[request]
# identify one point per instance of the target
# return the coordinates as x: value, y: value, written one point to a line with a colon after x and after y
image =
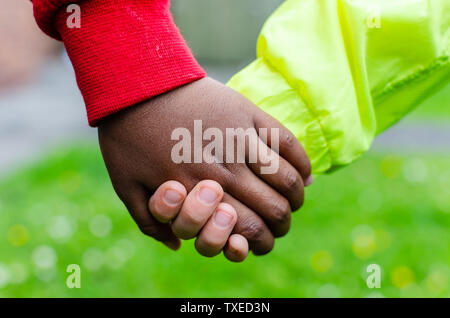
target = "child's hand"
x: 136, y: 145
x: 200, y: 213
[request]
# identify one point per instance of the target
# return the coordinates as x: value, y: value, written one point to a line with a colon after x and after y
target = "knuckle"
x: 287, y: 139
x: 229, y: 176
x: 254, y: 231
x: 292, y: 182
x: 190, y: 182
x: 281, y: 211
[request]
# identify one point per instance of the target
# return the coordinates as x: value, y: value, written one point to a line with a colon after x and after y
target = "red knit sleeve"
x: 125, y: 52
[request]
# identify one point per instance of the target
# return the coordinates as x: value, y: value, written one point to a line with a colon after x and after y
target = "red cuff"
x: 125, y: 52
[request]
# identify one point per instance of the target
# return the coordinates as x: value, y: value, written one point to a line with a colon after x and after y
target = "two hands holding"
x: 229, y: 207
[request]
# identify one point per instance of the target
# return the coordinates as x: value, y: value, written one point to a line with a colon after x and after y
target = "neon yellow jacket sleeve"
x: 338, y: 72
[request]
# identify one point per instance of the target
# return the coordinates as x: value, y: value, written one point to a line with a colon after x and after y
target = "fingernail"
x: 172, y: 197
x: 207, y: 195
x: 223, y: 218
x: 309, y: 181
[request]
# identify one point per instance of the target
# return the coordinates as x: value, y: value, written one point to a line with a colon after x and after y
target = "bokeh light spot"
x: 363, y: 245
x: 5, y: 275
x: 321, y: 261
x: 45, y: 275
x: 44, y: 257
x: 328, y: 291
x: 127, y: 247
x: 437, y: 281
x: 115, y: 258
x: 100, y: 225
x: 93, y: 259
x: 402, y: 276
x: 19, y: 273
x: 61, y: 228
x: 391, y: 166
x: 415, y: 170
x: 18, y: 235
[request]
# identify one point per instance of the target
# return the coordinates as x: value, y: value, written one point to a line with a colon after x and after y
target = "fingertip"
x: 165, y: 203
x: 175, y: 185
x: 173, y: 193
x: 213, y: 185
x: 229, y: 210
x: 309, y: 181
x: 173, y: 244
x: 237, y: 248
x: 207, y: 193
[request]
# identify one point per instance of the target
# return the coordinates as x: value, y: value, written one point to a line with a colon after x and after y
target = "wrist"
x: 125, y: 52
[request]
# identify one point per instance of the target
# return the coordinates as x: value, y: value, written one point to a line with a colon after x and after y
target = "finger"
x: 197, y: 208
x: 217, y: 230
x: 166, y: 202
x: 251, y: 226
x: 136, y: 200
x: 282, y: 177
x: 236, y: 249
x: 288, y: 145
x: 261, y: 198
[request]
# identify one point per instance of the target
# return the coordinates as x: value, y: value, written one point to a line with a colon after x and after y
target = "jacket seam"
x: 308, y: 107
x: 418, y: 75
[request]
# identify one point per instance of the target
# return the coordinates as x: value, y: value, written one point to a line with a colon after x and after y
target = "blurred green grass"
x: 389, y: 210
x: 436, y: 107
